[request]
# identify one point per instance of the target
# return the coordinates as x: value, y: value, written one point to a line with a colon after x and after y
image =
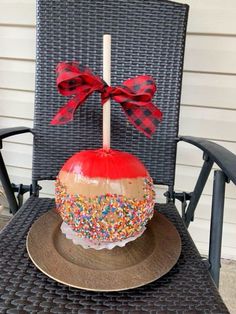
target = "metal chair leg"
x: 217, y: 224
x: 7, y: 187
x: 204, y: 174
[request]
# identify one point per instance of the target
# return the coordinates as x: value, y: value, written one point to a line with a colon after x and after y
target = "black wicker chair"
x: 148, y: 37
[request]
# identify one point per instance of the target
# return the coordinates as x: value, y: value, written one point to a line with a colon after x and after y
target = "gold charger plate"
x: 138, y: 263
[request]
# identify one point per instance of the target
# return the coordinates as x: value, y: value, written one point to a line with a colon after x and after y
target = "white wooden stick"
x: 107, y: 79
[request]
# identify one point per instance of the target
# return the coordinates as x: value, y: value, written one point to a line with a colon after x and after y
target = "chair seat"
x: 187, y: 288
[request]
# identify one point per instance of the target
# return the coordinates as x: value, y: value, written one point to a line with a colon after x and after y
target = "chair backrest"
x: 147, y: 37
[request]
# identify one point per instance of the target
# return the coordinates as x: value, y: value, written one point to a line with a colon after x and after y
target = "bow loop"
x: 134, y: 95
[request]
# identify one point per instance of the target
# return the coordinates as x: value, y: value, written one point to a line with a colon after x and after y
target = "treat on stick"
x: 104, y: 196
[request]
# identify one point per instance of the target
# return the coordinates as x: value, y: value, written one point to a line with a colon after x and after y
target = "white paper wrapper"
x: 88, y: 244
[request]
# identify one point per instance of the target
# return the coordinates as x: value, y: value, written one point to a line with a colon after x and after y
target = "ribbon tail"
x: 66, y: 113
x: 145, y: 118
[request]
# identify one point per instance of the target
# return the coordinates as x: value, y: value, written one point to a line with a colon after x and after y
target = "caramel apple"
x: 105, y: 198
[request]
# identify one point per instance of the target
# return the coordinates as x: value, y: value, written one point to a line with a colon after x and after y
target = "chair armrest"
x: 13, y: 131
x: 218, y: 154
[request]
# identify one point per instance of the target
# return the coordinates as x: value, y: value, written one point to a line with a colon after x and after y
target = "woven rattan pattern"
x: 24, y: 289
x: 147, y: 37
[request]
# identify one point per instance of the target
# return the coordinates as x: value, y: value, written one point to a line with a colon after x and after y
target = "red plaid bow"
x: 134, y: 95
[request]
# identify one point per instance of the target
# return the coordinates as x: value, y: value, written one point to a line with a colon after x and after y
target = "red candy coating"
x: 100, y: 163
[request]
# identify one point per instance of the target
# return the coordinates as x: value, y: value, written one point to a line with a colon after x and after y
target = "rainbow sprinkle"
x: 108, y: 217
